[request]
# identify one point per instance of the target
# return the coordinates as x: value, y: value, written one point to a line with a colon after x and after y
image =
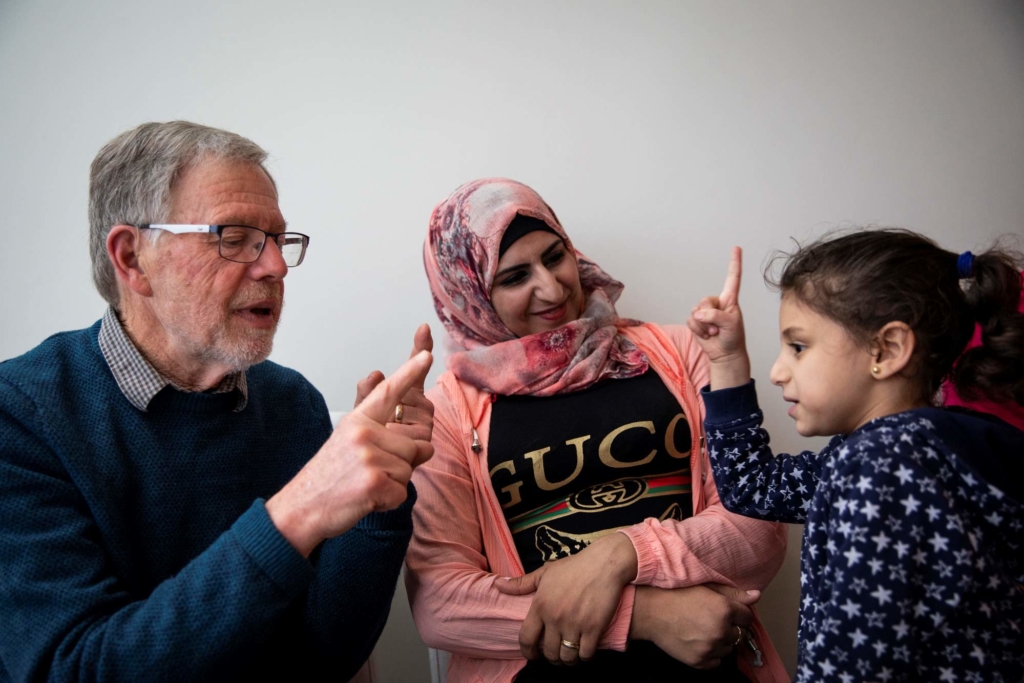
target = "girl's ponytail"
x: 994, y: 370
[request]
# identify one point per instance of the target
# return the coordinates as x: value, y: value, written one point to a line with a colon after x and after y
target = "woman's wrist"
x: 620, y: 556
x: 638, y: 625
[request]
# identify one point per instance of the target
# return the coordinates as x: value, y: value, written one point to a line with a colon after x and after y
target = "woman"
x: 557, y: 424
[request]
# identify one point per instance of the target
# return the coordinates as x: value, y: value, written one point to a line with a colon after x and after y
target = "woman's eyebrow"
x: 551, y: 248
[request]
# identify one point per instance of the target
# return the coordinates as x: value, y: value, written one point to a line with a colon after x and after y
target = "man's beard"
x: 241, y: 351
x: 240, y: 354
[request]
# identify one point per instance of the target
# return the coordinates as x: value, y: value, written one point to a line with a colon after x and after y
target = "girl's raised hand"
x: 717, y: 323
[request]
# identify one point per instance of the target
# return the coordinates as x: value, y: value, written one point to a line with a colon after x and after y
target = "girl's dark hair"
x: 865, y: 279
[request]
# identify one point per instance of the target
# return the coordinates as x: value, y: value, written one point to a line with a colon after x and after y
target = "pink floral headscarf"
x: 461, y: 257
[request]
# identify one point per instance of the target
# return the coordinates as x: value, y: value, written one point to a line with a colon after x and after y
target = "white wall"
x: 661, y: 133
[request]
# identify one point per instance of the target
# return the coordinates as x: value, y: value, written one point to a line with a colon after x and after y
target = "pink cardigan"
x: 461, y: 542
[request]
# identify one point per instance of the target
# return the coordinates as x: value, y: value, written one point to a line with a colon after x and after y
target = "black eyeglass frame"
x: 180, y: 229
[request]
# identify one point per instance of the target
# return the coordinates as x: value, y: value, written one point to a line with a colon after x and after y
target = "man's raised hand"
x: 363, y: 467
x: 417, y: 411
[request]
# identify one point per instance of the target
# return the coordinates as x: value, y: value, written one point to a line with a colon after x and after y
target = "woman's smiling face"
x: 537, y: 286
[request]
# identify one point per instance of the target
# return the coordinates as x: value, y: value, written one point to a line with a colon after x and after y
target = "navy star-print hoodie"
x: 912, y: 565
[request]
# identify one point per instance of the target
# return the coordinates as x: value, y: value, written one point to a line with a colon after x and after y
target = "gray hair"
x: 132, y: 178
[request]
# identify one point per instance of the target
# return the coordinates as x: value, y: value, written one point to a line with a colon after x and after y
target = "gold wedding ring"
x: 739, y: 636
x: 399, y: 413
x: 569, y: 644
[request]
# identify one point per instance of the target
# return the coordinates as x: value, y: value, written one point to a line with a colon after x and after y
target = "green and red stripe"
x: 675, y: 483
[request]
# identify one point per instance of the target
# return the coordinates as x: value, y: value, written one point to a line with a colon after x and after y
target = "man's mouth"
x: 262, y: 313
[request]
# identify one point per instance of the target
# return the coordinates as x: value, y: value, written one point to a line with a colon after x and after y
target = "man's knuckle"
x: 376, y: 480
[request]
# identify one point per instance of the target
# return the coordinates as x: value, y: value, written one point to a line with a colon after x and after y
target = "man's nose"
x: 270, y: 263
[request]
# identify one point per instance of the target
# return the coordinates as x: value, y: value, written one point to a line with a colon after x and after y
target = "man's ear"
x: 123, y: 242
x: 892, y: 349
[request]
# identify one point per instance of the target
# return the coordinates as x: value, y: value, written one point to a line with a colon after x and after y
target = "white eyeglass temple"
x: 179, y: 229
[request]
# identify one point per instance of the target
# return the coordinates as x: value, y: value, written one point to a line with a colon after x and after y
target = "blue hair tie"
x: 965, y: 265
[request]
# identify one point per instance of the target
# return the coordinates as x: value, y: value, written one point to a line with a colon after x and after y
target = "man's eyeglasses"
x: 243, y: 244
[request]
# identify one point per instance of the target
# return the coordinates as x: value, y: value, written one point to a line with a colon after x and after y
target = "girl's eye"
x: 797, y: 348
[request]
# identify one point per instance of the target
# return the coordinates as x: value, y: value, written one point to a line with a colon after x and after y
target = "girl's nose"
x: 779, y: 373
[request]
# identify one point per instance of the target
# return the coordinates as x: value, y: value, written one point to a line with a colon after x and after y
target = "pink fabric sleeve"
x: 714, y: 545
x: 448, y: 576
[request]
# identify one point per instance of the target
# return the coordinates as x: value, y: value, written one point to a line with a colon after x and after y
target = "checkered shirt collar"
x: 138, y: 380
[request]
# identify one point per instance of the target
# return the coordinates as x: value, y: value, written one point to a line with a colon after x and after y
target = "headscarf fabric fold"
x: 460, y: 255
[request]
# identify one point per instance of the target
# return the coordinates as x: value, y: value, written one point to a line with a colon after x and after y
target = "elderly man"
x: 173, y: 506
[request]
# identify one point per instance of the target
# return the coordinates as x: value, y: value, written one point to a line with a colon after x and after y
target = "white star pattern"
x: 883, y: 595
x: 858, y: 638
x: 910, y: 504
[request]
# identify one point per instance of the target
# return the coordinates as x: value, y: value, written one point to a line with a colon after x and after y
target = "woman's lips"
x: 793, y: 407
x: 554, y: 313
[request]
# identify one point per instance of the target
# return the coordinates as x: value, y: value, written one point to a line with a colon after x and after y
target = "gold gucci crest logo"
x: 611, y: 495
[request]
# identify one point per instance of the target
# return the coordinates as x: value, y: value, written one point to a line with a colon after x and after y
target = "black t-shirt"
x: 570, y: 468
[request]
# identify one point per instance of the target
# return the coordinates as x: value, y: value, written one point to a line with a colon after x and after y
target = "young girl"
x: 911, y: 562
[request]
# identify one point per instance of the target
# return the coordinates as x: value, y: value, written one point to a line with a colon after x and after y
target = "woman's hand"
x: 717, y: 323
x: 697, y: 625
x: 576, y: 599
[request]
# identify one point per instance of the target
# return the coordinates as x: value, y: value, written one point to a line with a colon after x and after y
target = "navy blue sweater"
x: 136, y: 546
x: 911, y: 565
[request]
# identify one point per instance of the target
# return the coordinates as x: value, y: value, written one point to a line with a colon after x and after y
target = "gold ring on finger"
x: 739, y: 636
x: 399, y: 413
x: 569, y: 644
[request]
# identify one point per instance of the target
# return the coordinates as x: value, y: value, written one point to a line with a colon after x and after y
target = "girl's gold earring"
x: 875, y: 369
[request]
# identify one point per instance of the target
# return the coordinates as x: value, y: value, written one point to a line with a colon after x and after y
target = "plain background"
x: 662, y: 133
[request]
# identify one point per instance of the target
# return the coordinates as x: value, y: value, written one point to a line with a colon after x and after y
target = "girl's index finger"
x: 731, y: 290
